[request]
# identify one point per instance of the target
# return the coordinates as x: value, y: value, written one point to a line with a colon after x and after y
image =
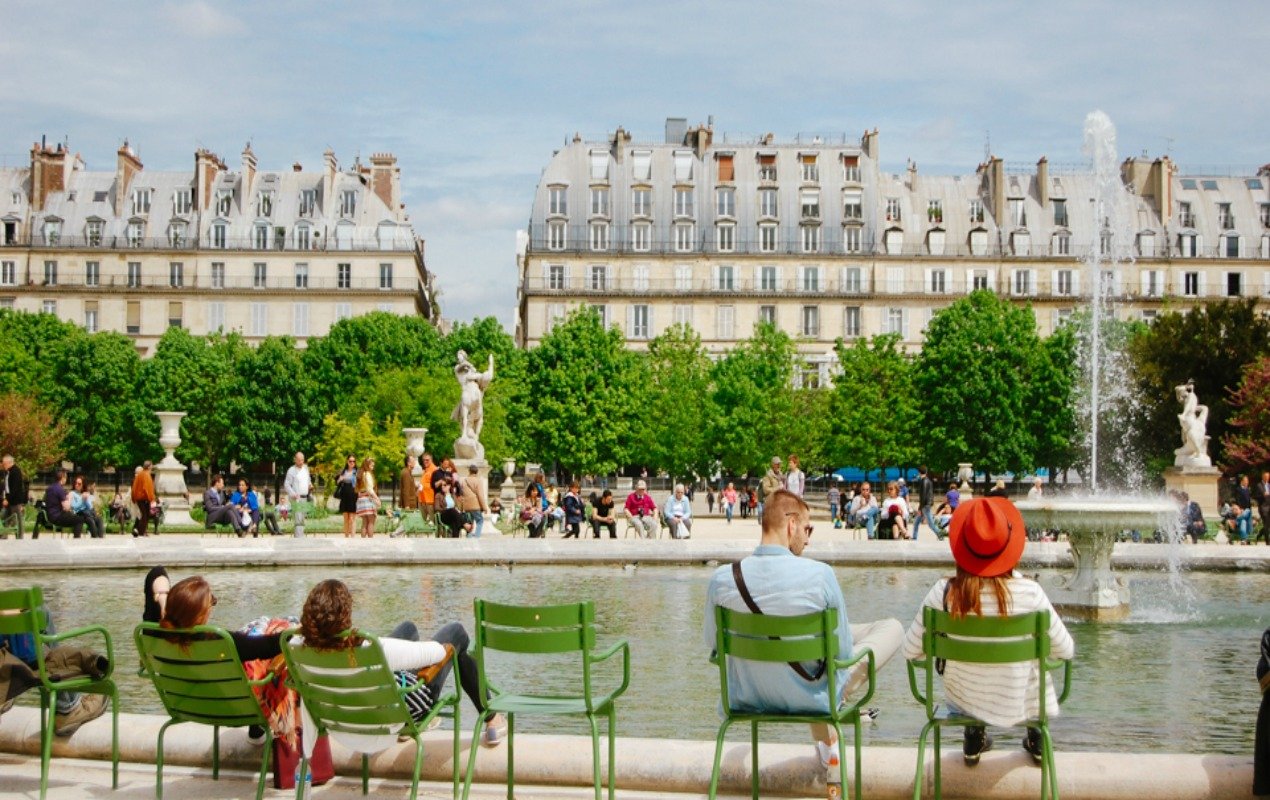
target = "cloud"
x: 200, y: 19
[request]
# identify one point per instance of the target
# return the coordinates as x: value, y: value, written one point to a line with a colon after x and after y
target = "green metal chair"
x: 22, y: 612
x: 354, y: 691
x: 984, y: 640
x: 544, y: 630
x: 201, y: 680
x: 782, y: 639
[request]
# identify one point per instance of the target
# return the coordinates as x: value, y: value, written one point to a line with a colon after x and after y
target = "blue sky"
x: 473, y: 98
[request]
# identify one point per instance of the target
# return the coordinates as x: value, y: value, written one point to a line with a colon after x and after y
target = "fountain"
x: 1093, y: 522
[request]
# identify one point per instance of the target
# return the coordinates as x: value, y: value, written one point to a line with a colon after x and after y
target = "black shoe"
x: 977, y: 742
x: 1034, y: 745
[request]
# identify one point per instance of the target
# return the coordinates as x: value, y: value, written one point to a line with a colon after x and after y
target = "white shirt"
x: 794, y: 481
x: 298, y: 483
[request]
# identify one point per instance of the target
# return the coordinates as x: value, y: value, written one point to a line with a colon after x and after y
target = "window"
x: 176, y: 314
x: 1231, y: 249
x: 685, y: 237
x: 810, y: 235
x: 979, y: 279
x: 141, y: 201
x: 809, y: 203
x: 852, y: 239
x: 1063, y: 282
x: 52, y: 231
x: 1234, y: 284
x: 639, y: 322
x: 555, y: 236
x: 895, y: 280
x: 725, y: 238
x: 136, y: 233
x: 176, y: 234
x: 895, y: 321
x: 683, y: 315
x: 725, y: 322
x: 1188, y: 183
x: 49, y: 307
x: 556, y: 278
x: 935, y: 212
x: 852, y: 206
x: 343, y: 311
x: 385, y: 276
x: 224, y: 201
x: 260, y: 237
x: 93, y: 231
x: 92, y: 273
x: 1023, y: 282
x: 259, y: 319
x: 1225, y: 219
x: 301, y: 276
x: 90, y: 316
x: 1187, y: 245
x: 683, y: 203
x: 639, y: 277
x: 810, y: 172
x: 218, y: 275
x: 810, y: 321
x: 308, y: 202
x: 938, y: 281
x: 851, y: 322
x: 264, y: 204
x: 767, y: 314
x: 344, y: 276
x: 1184, y: 216
x: 599, y: 277
x: 50, y: 273
x: 892, y: 209
x: 725, y: 280
x: 851, y: 280
x: 1060, y: 213
x: 727, y: 171
x: 683, y: 165
x: 8, y: 273
x: 1190, y: 284
x: 642, y: 202
x: 599, y: 165
x: 259, y: 275
x: 976, y: 212
x: 599, y: 236
x: 1018, y: 212
x: 303, y: 236
x: 219, y: 231
x: 300, y: 319
x: 1062, y: 244
x: 176, y: 274
x: 641, y: 237
x: 683, y: 277
x: 851, y: 169
x: 1152, y: 283
x: 641, y: 165
x: 1265, y: 215
x: 767, y: 279
x: 348, y: 202
x: 602, y: 311
x: 767, y: 167
x: 809, y: 279
x: 134, y: 274
x: 215, y: 317
x: 767, y: 238
x: 599, y: 201
x: 1105, y: 242
x: 767, y: 202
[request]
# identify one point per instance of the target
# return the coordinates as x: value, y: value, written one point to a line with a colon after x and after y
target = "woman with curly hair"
x: 326, y: 623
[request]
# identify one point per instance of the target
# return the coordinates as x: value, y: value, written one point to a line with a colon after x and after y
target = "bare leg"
x: 348, y: 526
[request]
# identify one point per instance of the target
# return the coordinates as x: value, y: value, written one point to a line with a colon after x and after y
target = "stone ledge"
x: 684, y: 766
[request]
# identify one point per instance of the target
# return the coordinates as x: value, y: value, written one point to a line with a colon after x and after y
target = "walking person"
x: 346, y: 491
x: 773, y: 480
x: 13, y: 493
x: 925, y: 502
x: 1261, y: 493
x: 367, y: 497
x: 834, y: 497
x: 299, y: 486
x: 709, y: 499
x: 144, y: 496
x: 728, y: 501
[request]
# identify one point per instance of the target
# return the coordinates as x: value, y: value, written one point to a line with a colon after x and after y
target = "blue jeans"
x: 1244, y: 524
x: 925, y: 514
x: 833, y: 511
x: 727, y: 512
x: 870, y: 518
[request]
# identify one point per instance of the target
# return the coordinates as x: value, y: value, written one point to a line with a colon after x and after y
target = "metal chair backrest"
x: 536, y: 630
x: 198, y: 675
x: 350, y: 690
x: 22, y: 614
x: 775, y: 639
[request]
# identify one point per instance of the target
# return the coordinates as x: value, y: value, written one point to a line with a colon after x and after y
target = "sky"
x: 474, y: 98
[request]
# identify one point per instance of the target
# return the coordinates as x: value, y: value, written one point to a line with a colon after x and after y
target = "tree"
x: 874, y: 411
x: 972, y: 381
x: 358, y: 347
x: 278, y: 403
x: 753, y: 401
x: 1247, y: 444
x: 583, y: 412
x: 678, y: 404
x: 1210, y: 344
x: 360, y: 439
x: 30, y: 433
x: 1051, y: 401
x: 95, y: 394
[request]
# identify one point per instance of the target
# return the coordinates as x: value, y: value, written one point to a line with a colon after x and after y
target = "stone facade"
x: 262, y: 253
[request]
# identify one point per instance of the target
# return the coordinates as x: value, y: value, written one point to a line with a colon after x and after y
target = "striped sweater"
x: 998, y: 694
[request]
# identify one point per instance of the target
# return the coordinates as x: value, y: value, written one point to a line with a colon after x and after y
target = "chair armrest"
x: 625, y: 649
x: 268, y: 677
x: 87, y: 629
x: 913, y: 666
x: 1066, y: 664
x: 866, y: 654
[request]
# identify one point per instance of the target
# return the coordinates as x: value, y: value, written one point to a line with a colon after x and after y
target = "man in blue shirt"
x: 783, y: 584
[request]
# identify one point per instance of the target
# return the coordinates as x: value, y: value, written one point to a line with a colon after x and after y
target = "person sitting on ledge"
x: 217, y: 508
x: 987, y: 537
x: 678, y: 514
x: 777, y: 581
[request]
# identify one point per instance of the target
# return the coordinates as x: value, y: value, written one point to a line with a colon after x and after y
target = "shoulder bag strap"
x: 753, y: 607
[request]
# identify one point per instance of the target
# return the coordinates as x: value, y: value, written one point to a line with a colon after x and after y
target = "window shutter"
x: 652, y: 331
x: 904, y: 324
x: 926, y: 280
x: 1076, y: 282
x: 1117, y: 282
x: 1203, y: 279
x: 866, y: 280
x: 714, y: 282
x: 970, y: 281
x: 1144, y: 282
x: 1243, y: 246
x: 630, y: 321
x: 758, y: 276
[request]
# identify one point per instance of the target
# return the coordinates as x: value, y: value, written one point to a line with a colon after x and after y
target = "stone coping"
x: 192, y: 552
x: 682, y: 766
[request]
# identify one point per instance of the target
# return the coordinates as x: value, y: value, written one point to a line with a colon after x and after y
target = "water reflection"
x: 1170, y: 678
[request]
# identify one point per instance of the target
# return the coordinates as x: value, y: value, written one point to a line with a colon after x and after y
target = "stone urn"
x: 169, y: 474
x: 965, y: 474
x: 507, y: 492
x: 414, y: 445
x: 170, y: 433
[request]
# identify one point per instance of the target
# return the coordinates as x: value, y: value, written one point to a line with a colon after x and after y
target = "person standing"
x: 728, y: 501
x: 795, y: 480
x: 925, y: 502
x: 298, y: 485
x: 834, y: 497
x: 13, y: 493
x: 427, y: 494
x: 773, y: 480
x: 144, y: 496
x: 367, y: 497
x: 1037, y: 492
x: 574, y: 511
x: 346, y: 490
x: 709, y: 499
x: 1261, y: 493
x: 1243, y: 499
x: 474, y: 500
x: 407, y: 491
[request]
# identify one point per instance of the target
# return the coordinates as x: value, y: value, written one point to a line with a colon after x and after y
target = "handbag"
x: 286, y: 761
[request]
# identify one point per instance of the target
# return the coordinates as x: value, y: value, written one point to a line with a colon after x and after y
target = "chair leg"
x: 595, y: 754
x: 754, y: 760
x: 921, y: 761
x: 718, y: 758
x: 114, y: 737
x: 612, y: 749
x: 1049, y: 778
x: 455, y: 759
x: 939, y: 760
x: 215, y: 752
x: 842, y: 759
x: 511, y: 760
x: 48, y: 719
x: 302, y: 776
x: 365, y: 773
x: 264, y: 764
x: 414, y: 786
x: 158, y: 761
x: 471, y: 758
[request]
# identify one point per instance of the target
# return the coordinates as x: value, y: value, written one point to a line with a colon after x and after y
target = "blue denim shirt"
x: 782, y: 584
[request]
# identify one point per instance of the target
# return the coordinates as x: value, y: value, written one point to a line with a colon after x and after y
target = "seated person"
x: 57, y: 506
x: 19, y: 667
x: 247, y: 503
x: 574, y: 511
x: 602, y: 514
x: 1194, y: 524
x: 779, y: 581
x: 326, y: 624
x: 496, y: 508
x: 156, y: 588
x: 678, y: 514
x: 943, y: 515
x: 448, y: 509
x: 120, y: 509
x: 987, y: 537
x: 895, y: 511
x: 643, y: 511
x: 863, y: 510
x: 82, y: 507
x: 217, y: 508
x: 533, y: 513
x: 284, y: 507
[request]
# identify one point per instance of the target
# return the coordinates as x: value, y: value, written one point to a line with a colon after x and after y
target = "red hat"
x: 987, y: 536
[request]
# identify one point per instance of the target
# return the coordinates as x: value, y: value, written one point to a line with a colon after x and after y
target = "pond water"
x: 1176, y: 676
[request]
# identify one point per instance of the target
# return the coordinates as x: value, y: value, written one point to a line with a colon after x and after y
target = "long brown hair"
x: 965, y: 590
x: 328, y: 612
x: 189, y: 604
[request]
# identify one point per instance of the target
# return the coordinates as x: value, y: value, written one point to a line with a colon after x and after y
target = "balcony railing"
x: 204, y: 283
x: 190, y: 243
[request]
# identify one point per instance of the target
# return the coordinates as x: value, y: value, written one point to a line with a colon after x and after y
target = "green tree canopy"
x: 754, y: 405
x: 361, y: 346
x: 1051, y: 401
x: 678, y: 405
x: 874, y: 411
x: 359, y: 438
x: 95, y: 394
x: 278, y: 401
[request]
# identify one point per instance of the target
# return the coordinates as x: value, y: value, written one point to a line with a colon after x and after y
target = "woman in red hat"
x: 987, y: 537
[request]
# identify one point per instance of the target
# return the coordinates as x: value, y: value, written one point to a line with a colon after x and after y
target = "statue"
x: 469, y: 413
x: 1194, y: 423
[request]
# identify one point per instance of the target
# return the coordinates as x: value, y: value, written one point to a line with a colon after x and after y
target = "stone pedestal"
x: 1199, y: 482
x: 1093, y: 592
x: 169, y: 474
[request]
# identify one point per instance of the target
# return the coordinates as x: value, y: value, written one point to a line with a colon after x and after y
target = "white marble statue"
x: 469, y: 413
x: 1194, y: 423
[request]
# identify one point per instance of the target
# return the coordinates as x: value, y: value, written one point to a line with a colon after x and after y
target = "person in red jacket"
x: 143, y: 495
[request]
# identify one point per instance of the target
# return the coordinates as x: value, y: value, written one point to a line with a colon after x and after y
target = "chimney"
x: 207, y: 165
x: 912, y: 175
x: 1043, y: 181
x: 49, y: 170
x: 701, y: 137
x: 249, y: 172
x: 1161, y: 186
x: 1135, y: 172
x: 296, y: 167
x: 385, y: 180
x: 996, y: 189
x: 329, y: 170
x: 127, y: 165
x: 869, y: 144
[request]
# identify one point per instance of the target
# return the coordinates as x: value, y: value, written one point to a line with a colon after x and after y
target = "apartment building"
x: 812, y: 235
x: 264, y: 253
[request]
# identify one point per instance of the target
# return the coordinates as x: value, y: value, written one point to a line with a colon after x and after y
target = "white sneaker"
x: 828, y: 755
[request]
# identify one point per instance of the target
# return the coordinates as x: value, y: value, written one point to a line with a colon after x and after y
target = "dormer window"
x: 308, y: 202
x: 136, y: 233
x: 348, y: 202
x: 851, y: 169
x: 599, y: 165
x: 183, y: 202
x: 683, y: 203
x: 810, y: 171
x: 141, y: 201
x: 853, y: 206
x: 1184, y: 216
x: 1060, y: 213
x: 93, y: 231
x: 599, y: 201
x: 642, y: 202
x: 224, y: 201
x: 1018, y: 212
x: 264, y: 204
x: 767, y: 166
x: 935, y: 212
x: 176, y: 234
x: 302, y: 237
x: 809, y: 202
x: 683, y: 166
x: 220, y: 233
x: 642, y: 165
x: 260, y: 237
x: 727, y: 171
x: 1225, y: 219
x: 976, y: 212
x: 558, y: 200
x: 893, y: 209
